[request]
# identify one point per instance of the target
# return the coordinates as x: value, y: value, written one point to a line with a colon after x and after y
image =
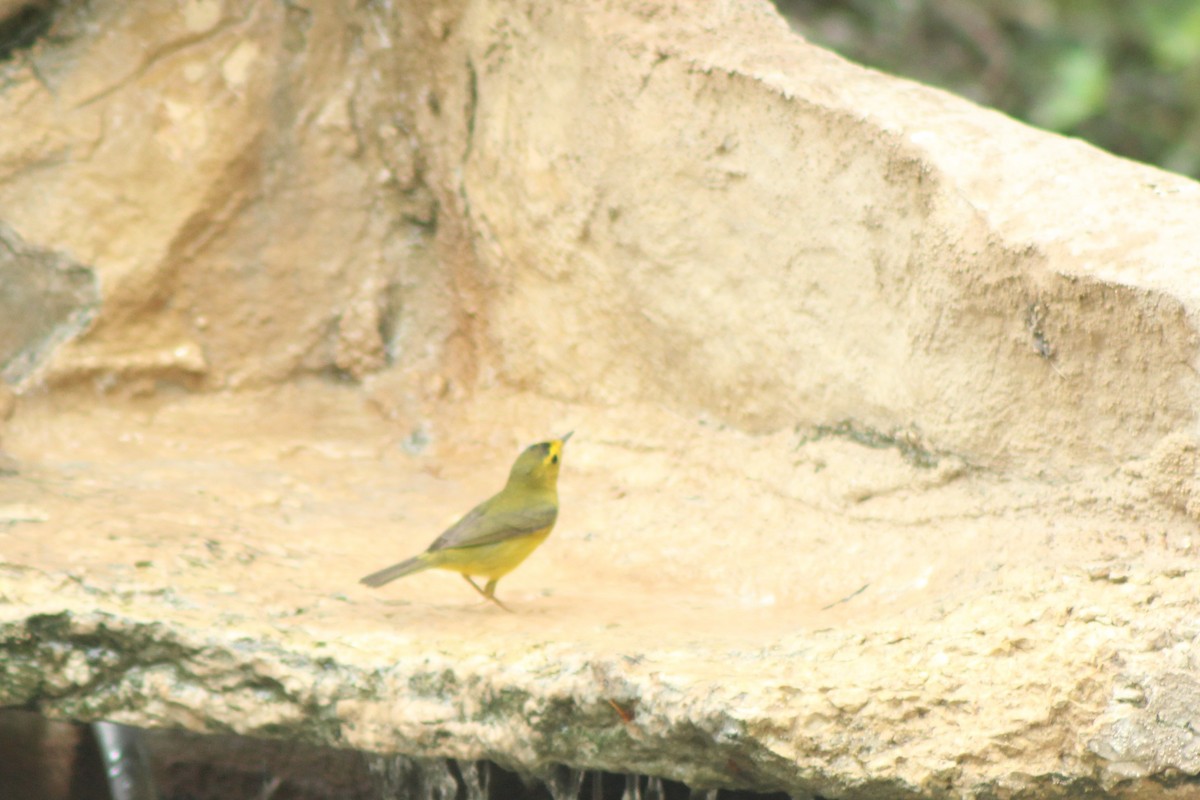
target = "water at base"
x: 133, y: 764
x: 403, y: 778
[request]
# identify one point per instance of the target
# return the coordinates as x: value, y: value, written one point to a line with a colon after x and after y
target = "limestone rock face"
x: 46, y: 299
x: 884, y: 475
x: 753, y: 228
x: 610, y: 203
x: 218, y: 165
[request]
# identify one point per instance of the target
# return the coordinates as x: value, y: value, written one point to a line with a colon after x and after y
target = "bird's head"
x: 538, y: 465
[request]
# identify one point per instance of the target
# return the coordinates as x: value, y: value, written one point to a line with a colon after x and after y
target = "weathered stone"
x: 1172, y: 472
x: 1154, y: 726
x: 884, y: 403
x: 623, y: 206
x: 219, y: 164
x: 717, y: 608
x: 754, y: 229
x: 45, y: 300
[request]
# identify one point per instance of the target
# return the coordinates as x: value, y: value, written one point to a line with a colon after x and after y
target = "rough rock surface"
x: 219, y: 165
x: 884, y: 480
x: 752, y: 228
x: 192, y: 562
x: 46, y: 301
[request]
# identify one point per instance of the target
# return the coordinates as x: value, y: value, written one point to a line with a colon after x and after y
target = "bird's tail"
x: 395, y: 571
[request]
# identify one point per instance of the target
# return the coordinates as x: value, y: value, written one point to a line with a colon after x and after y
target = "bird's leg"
x: 474, y: 585
x: 488, y: 592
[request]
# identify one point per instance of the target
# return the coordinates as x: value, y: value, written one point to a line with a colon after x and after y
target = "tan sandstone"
x: 883, y: 479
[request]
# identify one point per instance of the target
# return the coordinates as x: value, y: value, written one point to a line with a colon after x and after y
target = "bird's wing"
x: 485, y: 524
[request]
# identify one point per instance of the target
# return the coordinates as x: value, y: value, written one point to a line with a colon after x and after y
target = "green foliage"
x: 1077, y: 90
x: 1125, y: 76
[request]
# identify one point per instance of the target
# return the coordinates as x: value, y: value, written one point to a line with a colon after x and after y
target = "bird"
x: 498, y: 534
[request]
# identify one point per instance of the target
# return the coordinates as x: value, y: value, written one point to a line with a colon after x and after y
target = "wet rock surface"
x: 54, y: 760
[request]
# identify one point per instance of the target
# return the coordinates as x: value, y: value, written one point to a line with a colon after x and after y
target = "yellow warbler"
x: 499, y: 533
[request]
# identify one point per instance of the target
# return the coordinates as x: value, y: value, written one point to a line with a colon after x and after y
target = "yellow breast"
x: 491, y: 561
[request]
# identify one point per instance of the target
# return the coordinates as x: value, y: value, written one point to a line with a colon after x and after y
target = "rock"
x: 8, y: 402
x: 261, y: 159
x: 1151, y: 727
x: 45, y: 300
x: 699, y: 192
x: 853, y: 366
x: 1172, y: 472
x: 715, y: 607
x: 755, y: 229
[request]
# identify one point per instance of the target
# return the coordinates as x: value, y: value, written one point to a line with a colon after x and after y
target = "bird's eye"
x: 554, y: 458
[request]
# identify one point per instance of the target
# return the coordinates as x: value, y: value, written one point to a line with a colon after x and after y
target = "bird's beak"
x: 568, y: 436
